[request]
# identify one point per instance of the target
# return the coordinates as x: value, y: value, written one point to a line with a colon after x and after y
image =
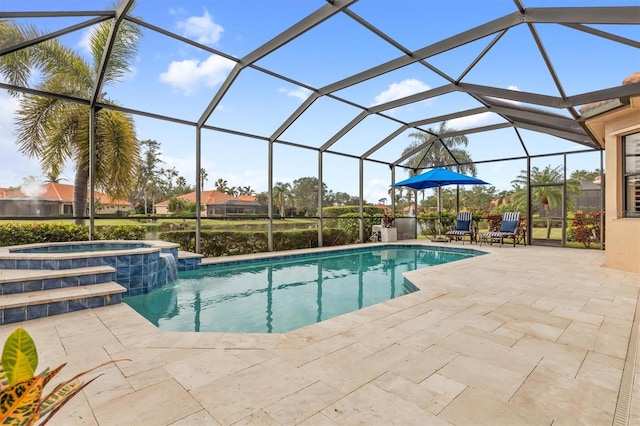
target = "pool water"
x: 281, y: 295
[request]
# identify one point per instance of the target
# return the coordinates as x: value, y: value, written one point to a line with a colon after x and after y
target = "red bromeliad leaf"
x: 19, y: 402
x: 77, y: 387
x: 59, y: 396
x: 65, y: 390
x: 47, y: 375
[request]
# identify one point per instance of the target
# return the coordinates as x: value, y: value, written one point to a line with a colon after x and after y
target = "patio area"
x: 524, y: 335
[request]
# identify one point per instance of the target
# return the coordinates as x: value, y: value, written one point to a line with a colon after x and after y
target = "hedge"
x: 225, y: 243
x: 12, y: 234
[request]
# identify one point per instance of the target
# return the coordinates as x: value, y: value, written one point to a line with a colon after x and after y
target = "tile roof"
x: 57, y: 192
x: 207, y: 197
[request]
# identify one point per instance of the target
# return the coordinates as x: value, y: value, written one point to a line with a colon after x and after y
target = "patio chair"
x: 508, y: 229
x: 464, y: 227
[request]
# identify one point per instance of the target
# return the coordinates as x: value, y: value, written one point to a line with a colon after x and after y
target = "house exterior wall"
x: 622, y: 234
x: 112, y: 209
x: 162, y: 209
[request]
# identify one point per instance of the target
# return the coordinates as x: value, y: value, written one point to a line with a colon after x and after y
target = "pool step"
x: 31, y: 294
x: 14, y: 281
x: 37, y: 304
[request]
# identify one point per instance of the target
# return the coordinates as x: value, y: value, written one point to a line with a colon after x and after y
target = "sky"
x: 169, y: 77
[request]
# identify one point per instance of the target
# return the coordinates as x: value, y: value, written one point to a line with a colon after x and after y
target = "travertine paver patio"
x: 524, y: 335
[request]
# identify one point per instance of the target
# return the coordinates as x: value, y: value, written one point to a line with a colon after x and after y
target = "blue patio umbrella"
x: 437, y: 178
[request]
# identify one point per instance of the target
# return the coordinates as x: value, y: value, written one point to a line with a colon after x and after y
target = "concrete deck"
x: 521, y: 336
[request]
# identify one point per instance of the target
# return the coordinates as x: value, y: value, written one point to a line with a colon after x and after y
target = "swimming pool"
x: 282, y: 294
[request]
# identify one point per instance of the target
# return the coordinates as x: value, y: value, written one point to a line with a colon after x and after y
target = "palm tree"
x: 222, y: 186
x: 438, y: 152
x: 53, y: 178
x: 55, y: 131
x: 203, y: 178
x: 246, y: 190
x: 281, y: 193
x: 549, y: 196
x: 181, y: 182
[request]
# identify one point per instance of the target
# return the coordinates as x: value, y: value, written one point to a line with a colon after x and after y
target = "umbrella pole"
x: 439, y: 225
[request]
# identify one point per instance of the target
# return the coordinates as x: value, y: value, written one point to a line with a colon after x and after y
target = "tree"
x: 438, y: 152
x: 345, y: 199
x: 246, y: 190
x: 580, y: 176
x: 305, y: 194
x: 281, y: 193
x: 149, y: 174
x: 548, y: 196
x: 55, y: 131
x: 176, y: 205
x: 203, y: 178
x: 181, y: 182
x: 53, y: 178
x: 478, y: 197
x: 222, y: 185
x: 262, y: 196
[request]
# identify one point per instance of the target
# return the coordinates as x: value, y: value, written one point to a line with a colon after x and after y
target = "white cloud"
x: 403, y: 89
x: 85, y: 40
x: 375, y: 189
x: 482, y: 119
x: 300, y: 92
x: 201, y: 28
x: 471, y: 121
x: 8, y: 106
x: 177, y: 11
x: 14, y: 165
x: 510, y: 87
x: 189, y: 74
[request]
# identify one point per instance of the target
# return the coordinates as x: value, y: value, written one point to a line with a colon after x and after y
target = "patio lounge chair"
x: 508, y: 229
x: 464, y: 227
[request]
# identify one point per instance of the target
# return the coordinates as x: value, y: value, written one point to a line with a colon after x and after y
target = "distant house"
x: 219, y: 204
x: 589, y: 198
x: 51, y: 199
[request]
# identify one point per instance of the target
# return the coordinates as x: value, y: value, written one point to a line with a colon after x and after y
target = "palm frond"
x: 63, y: 64
x: 119, y: 153
x: 15, y: 66
x: 35, y: 115
x: 123, y: 52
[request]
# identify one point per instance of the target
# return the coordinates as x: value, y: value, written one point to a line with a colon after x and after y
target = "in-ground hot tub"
x: 139, y: 266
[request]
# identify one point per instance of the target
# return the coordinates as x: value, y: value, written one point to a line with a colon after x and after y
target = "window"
x: 631, y: 190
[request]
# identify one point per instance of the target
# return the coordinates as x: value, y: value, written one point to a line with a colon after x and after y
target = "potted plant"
x: 389, y: 232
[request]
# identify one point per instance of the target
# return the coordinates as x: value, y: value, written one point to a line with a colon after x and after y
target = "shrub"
x: 350, y: 224
x: 120, y: 232
x: 12, y: 234
x: 27, y: 233
x: 584, y: 228
x: 329, y: 213
x: 429, y: 223
x: 226, y: 243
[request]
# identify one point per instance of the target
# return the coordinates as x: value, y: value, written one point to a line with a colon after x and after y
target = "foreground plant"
x: 21, y: 391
